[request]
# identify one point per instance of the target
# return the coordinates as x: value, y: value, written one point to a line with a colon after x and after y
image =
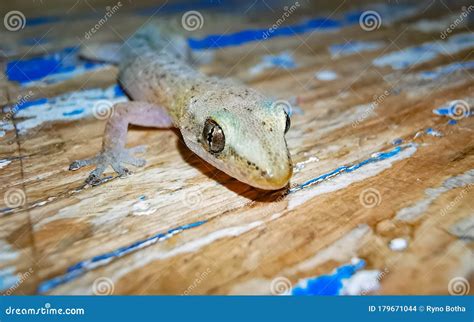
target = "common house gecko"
x: 233, y: 127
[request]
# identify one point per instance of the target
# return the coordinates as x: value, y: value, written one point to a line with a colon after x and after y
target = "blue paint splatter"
x: 42, y: 20
x: 328, y: 284
x: 387, y: 12
x: 446, y: 70
x: 454, y: 109
x: 80, y: 268
x: 25, y: 104
x: 347, y: 169
x: 118, y: 91
x: 245, y: 36
x: 74, y: 112
x: 433, y: 132
x: 38, y: 68
x: 170, y: 8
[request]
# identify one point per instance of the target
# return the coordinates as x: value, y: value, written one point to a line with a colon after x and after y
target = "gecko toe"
x: 74, y: 166
x: 121, y: 171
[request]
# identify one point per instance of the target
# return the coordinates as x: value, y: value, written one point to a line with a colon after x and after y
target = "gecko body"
x: 232, y: 127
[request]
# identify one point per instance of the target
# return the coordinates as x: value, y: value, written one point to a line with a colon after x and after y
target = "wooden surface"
x: 251, y: 237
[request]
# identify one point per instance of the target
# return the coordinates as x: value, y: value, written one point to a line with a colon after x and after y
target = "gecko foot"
x: 115, y: 158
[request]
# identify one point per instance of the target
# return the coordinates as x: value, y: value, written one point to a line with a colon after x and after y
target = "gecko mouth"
x: 274, y: 179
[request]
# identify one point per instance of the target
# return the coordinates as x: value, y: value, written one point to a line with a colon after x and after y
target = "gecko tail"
x: 107, y: 52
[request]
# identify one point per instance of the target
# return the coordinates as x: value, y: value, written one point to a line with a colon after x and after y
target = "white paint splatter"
x: 7, y: 253
x: 300, y: 165
x: 283, y: 60
x: 4, y: 163
x: 463, y: 228
x: 143, y: 208
x: 67, y: 107
x: 398, y: 244
x: 419, y: 54
x: 8, y: 278
x: 362, y: 282
x: 5, y: 126
x: 438, y: 25
x: 354, y: 47
x: 433, y: 132
x: 326, y: 75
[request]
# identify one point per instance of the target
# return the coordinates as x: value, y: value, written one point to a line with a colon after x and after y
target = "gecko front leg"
x: 113, y: 151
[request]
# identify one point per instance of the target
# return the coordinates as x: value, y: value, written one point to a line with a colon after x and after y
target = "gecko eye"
x: 213, y: 136
x: 288, y: 122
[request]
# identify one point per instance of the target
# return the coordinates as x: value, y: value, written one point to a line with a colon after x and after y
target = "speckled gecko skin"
x: 232, y: 127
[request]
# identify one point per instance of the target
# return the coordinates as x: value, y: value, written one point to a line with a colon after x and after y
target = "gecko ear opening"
x: 288, y: 122
x: 213, y: 136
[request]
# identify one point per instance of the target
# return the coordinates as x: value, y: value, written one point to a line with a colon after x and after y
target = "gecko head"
x: 242, y: 134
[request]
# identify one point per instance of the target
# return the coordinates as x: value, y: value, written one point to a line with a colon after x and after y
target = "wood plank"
x: 179, y: 226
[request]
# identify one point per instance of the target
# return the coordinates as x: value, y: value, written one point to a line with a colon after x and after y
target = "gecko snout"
x: 274, y: 177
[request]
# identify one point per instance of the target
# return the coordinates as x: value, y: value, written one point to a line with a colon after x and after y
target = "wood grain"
x: 250, y: 237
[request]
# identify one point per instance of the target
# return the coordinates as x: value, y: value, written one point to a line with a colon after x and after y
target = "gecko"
x: 231, y: 126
